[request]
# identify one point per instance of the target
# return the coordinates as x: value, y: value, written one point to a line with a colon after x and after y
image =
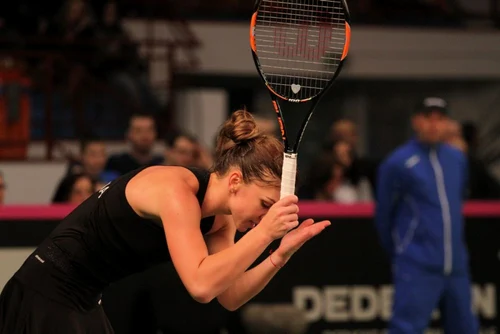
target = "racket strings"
x: 300, y: 44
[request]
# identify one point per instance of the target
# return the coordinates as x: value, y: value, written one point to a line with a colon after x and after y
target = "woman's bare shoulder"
x: 148, y: 191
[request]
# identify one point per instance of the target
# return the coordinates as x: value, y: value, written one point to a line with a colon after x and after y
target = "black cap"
x: 430, y: 104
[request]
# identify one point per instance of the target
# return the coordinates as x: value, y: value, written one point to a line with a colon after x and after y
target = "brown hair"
x: 240, y: 144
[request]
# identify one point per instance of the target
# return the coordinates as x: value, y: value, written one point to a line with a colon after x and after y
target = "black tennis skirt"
x: 26, y: 311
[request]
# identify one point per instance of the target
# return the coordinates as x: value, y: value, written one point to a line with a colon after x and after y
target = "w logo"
x: 103, y: 189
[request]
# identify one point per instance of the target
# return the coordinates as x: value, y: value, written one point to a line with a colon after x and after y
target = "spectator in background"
x: 346, y: 130
x: 471, y: 136
x: 74, y: 189
x: 482, y: 184
x: 321, y: 181
x: 74, y: 23
x: 453, y: 136
x: 332, y: 178
x: 353, y: 187
x: 118, y: 61
x: 141, y: 135
x: 420, y: 225
x: 3, y: 186
x: 92, y: 161
x: 183, y: 149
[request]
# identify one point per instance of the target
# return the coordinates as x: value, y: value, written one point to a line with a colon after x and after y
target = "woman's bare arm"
x: 250, y: 283
x: 205, y: 276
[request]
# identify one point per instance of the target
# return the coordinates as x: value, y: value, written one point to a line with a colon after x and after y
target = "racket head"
x: 299, y: 46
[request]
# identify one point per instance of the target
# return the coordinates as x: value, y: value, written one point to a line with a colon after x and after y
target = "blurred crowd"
x: 93, y: 168
x: 339, y: 174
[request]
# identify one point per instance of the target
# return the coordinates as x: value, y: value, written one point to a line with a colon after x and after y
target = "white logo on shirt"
x: 415, y: 159
x: 103, y: 189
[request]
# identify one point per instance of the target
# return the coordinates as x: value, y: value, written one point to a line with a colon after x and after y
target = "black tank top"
x: 103, y: 240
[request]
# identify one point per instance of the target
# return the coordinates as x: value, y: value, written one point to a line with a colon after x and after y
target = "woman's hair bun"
x: 240, y: 128
x: 241, y: 144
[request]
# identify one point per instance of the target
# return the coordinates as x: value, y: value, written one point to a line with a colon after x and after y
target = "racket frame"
x: 290, y: 155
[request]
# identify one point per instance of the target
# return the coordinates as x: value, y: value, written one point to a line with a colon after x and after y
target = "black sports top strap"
x: 203, y: 177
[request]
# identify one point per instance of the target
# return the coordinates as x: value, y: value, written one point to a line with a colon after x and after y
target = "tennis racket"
x: 299, y: 47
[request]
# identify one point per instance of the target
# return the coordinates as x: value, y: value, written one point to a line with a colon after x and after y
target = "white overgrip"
x: 288, y: 174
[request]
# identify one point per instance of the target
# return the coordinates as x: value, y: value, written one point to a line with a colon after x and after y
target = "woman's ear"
x: 235, y: 180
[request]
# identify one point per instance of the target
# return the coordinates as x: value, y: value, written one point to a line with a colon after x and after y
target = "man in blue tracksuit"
x: 419, y: 221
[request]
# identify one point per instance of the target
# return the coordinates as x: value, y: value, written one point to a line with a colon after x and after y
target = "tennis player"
x: 162, y: 213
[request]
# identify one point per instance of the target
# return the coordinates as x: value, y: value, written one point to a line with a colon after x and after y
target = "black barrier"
x: 341, y: 279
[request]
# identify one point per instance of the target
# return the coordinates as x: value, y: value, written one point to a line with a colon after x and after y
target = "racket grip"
x: 288, y: 174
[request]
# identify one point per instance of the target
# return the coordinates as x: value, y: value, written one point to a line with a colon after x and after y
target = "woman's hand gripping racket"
x: 298, y: 47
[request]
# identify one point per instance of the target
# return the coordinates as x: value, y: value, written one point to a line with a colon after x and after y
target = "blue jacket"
x: 419, y: 206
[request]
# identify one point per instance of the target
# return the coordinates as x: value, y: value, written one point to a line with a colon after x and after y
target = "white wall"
x: 31, y: 183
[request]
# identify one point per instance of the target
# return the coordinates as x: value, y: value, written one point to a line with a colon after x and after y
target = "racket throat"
x: 288, y: 174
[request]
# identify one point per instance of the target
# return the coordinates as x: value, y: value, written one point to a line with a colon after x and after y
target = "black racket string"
x: 283, y: 24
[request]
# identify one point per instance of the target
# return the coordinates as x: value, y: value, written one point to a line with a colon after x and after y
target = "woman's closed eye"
x: 265, y: 204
